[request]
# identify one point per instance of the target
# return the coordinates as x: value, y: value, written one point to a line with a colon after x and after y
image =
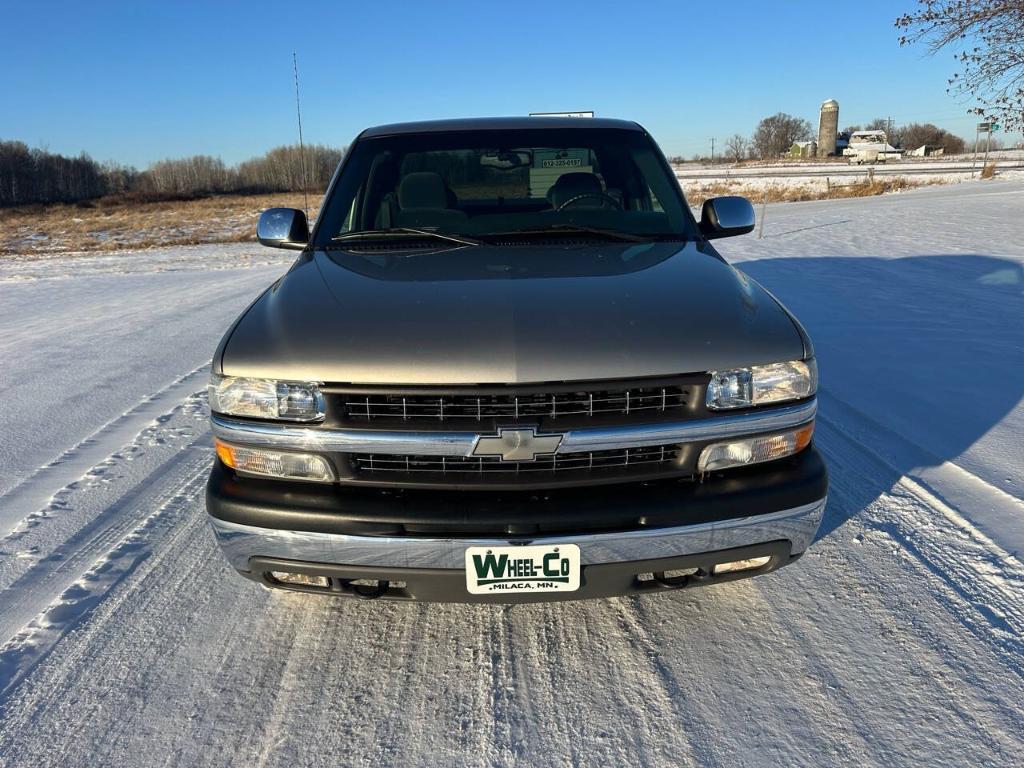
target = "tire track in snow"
x: 929, y: 470
x: 28, y: 595
x: 168, y: 644
x: 667, y: 687
x: 587, y: 694
x: 35, y: 491
x: 932, y: 621
x: 698, y: 699
x: 992, y: 582
x: 988, y: 581
x: 82, y: 581
x: 276, y: 733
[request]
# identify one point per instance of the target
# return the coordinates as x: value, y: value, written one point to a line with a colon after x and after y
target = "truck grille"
x: 468, y: 408
x: 643, y: 460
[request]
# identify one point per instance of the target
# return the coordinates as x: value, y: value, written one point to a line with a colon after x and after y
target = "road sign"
x: 984, y: 127
x: 995, y: 127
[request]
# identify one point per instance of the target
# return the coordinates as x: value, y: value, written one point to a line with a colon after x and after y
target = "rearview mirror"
x: 504, y: 159
x: 283, y: 228
x: 726, y: 216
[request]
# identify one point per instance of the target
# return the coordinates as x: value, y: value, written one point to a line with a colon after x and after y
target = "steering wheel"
x: 607, y: 201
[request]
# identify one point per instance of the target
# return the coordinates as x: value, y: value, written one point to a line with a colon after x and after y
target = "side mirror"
x: 726, y: 216
x: 283, y: 228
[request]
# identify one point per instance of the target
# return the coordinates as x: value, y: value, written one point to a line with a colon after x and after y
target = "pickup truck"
x: 508, y: 365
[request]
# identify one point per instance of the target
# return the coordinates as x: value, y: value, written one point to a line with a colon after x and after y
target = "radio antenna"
x: 302, y: 147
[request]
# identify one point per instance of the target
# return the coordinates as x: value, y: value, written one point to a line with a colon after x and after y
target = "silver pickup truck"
x: 508, y: 365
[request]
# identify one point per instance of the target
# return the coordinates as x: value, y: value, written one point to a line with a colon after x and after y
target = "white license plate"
x: 510, y: 570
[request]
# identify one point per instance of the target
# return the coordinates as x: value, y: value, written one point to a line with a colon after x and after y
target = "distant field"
x: 112, y: 225
x: 792, y: 191
x: 107, y: 225
x: 795, y: 180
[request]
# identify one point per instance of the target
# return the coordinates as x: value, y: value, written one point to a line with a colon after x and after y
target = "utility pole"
x: 712, y: 150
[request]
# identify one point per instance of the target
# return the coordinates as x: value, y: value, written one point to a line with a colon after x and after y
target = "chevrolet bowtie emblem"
x: 517, y: 445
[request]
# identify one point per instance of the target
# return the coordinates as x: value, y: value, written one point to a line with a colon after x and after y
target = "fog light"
x: 741, y: 565
x: 289, y: 466
x: 754, y: 450
x: 301, y: 579
x: 677, y: 573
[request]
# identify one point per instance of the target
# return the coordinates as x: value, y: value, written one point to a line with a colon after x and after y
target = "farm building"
x: 927, y: 150
x: 803, y: 149
x: 870, y: 147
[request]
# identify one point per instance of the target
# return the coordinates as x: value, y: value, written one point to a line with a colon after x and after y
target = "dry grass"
x: 111, y: 224
x: 793, y: 193
x: 989, y: 171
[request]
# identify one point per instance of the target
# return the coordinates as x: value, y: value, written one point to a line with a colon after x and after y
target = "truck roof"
x: 498, y: 124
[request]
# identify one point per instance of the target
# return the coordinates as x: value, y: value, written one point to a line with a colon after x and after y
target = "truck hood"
x: 508, y: 314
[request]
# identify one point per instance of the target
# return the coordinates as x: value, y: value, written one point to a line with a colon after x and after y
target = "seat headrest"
x: 423, y: 189
x: 570, y: 185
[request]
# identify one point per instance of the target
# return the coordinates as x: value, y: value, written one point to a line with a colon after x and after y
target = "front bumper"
x: 774, y: 511
x: 432, y: 569
x: 240, y: 543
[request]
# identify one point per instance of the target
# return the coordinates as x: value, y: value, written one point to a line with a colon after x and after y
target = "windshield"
x: 510, y: 183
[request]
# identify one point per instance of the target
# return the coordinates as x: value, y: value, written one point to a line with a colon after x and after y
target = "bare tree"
x: 987, y: 37
x: 37, y: 176
x: 736, y: 147
x: 897, y: 135
x: 776, y: 134
x: 188, y: 176
x: 281, y: 169
x: 915, y: 135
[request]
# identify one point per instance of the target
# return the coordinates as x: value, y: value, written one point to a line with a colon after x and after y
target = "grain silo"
x: 828, y: 128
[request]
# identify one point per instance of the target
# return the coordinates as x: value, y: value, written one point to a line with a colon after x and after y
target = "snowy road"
x: 897, y: 640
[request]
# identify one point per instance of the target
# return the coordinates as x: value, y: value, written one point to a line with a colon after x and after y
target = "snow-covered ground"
x: 898, y: 639
x: 819, y: 176
x: 1003, y: 160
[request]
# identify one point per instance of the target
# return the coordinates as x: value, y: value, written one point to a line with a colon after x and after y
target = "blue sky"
x: 137, y: 81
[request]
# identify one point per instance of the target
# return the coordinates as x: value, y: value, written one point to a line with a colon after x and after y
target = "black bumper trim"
x: 779, y: 485
x: 449, y: 585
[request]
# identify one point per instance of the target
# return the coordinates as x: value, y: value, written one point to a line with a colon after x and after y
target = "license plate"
x: 507, y: 570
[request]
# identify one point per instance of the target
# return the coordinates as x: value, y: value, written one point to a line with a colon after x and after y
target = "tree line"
x: 914, y: 135
x: 38, y: 176
x: 775, y: 134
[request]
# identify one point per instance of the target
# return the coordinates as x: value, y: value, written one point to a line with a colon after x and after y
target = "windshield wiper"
x: 403, y: 232
x: 570, y: 229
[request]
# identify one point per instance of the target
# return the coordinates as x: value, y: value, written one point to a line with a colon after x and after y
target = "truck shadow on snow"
x: 920, y: 357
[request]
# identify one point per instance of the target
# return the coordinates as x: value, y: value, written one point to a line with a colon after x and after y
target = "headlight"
x: 291, y: 466
x: 754, y: 450
x: 762, y: 384
x: 265, y: 398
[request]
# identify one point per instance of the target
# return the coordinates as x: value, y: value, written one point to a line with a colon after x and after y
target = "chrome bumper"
x: 242, y: 542
x: 325, y: 439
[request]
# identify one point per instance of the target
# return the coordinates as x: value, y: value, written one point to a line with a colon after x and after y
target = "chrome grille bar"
x: 638, y: 459
x: 515, y: 406
x: 460, y: 443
